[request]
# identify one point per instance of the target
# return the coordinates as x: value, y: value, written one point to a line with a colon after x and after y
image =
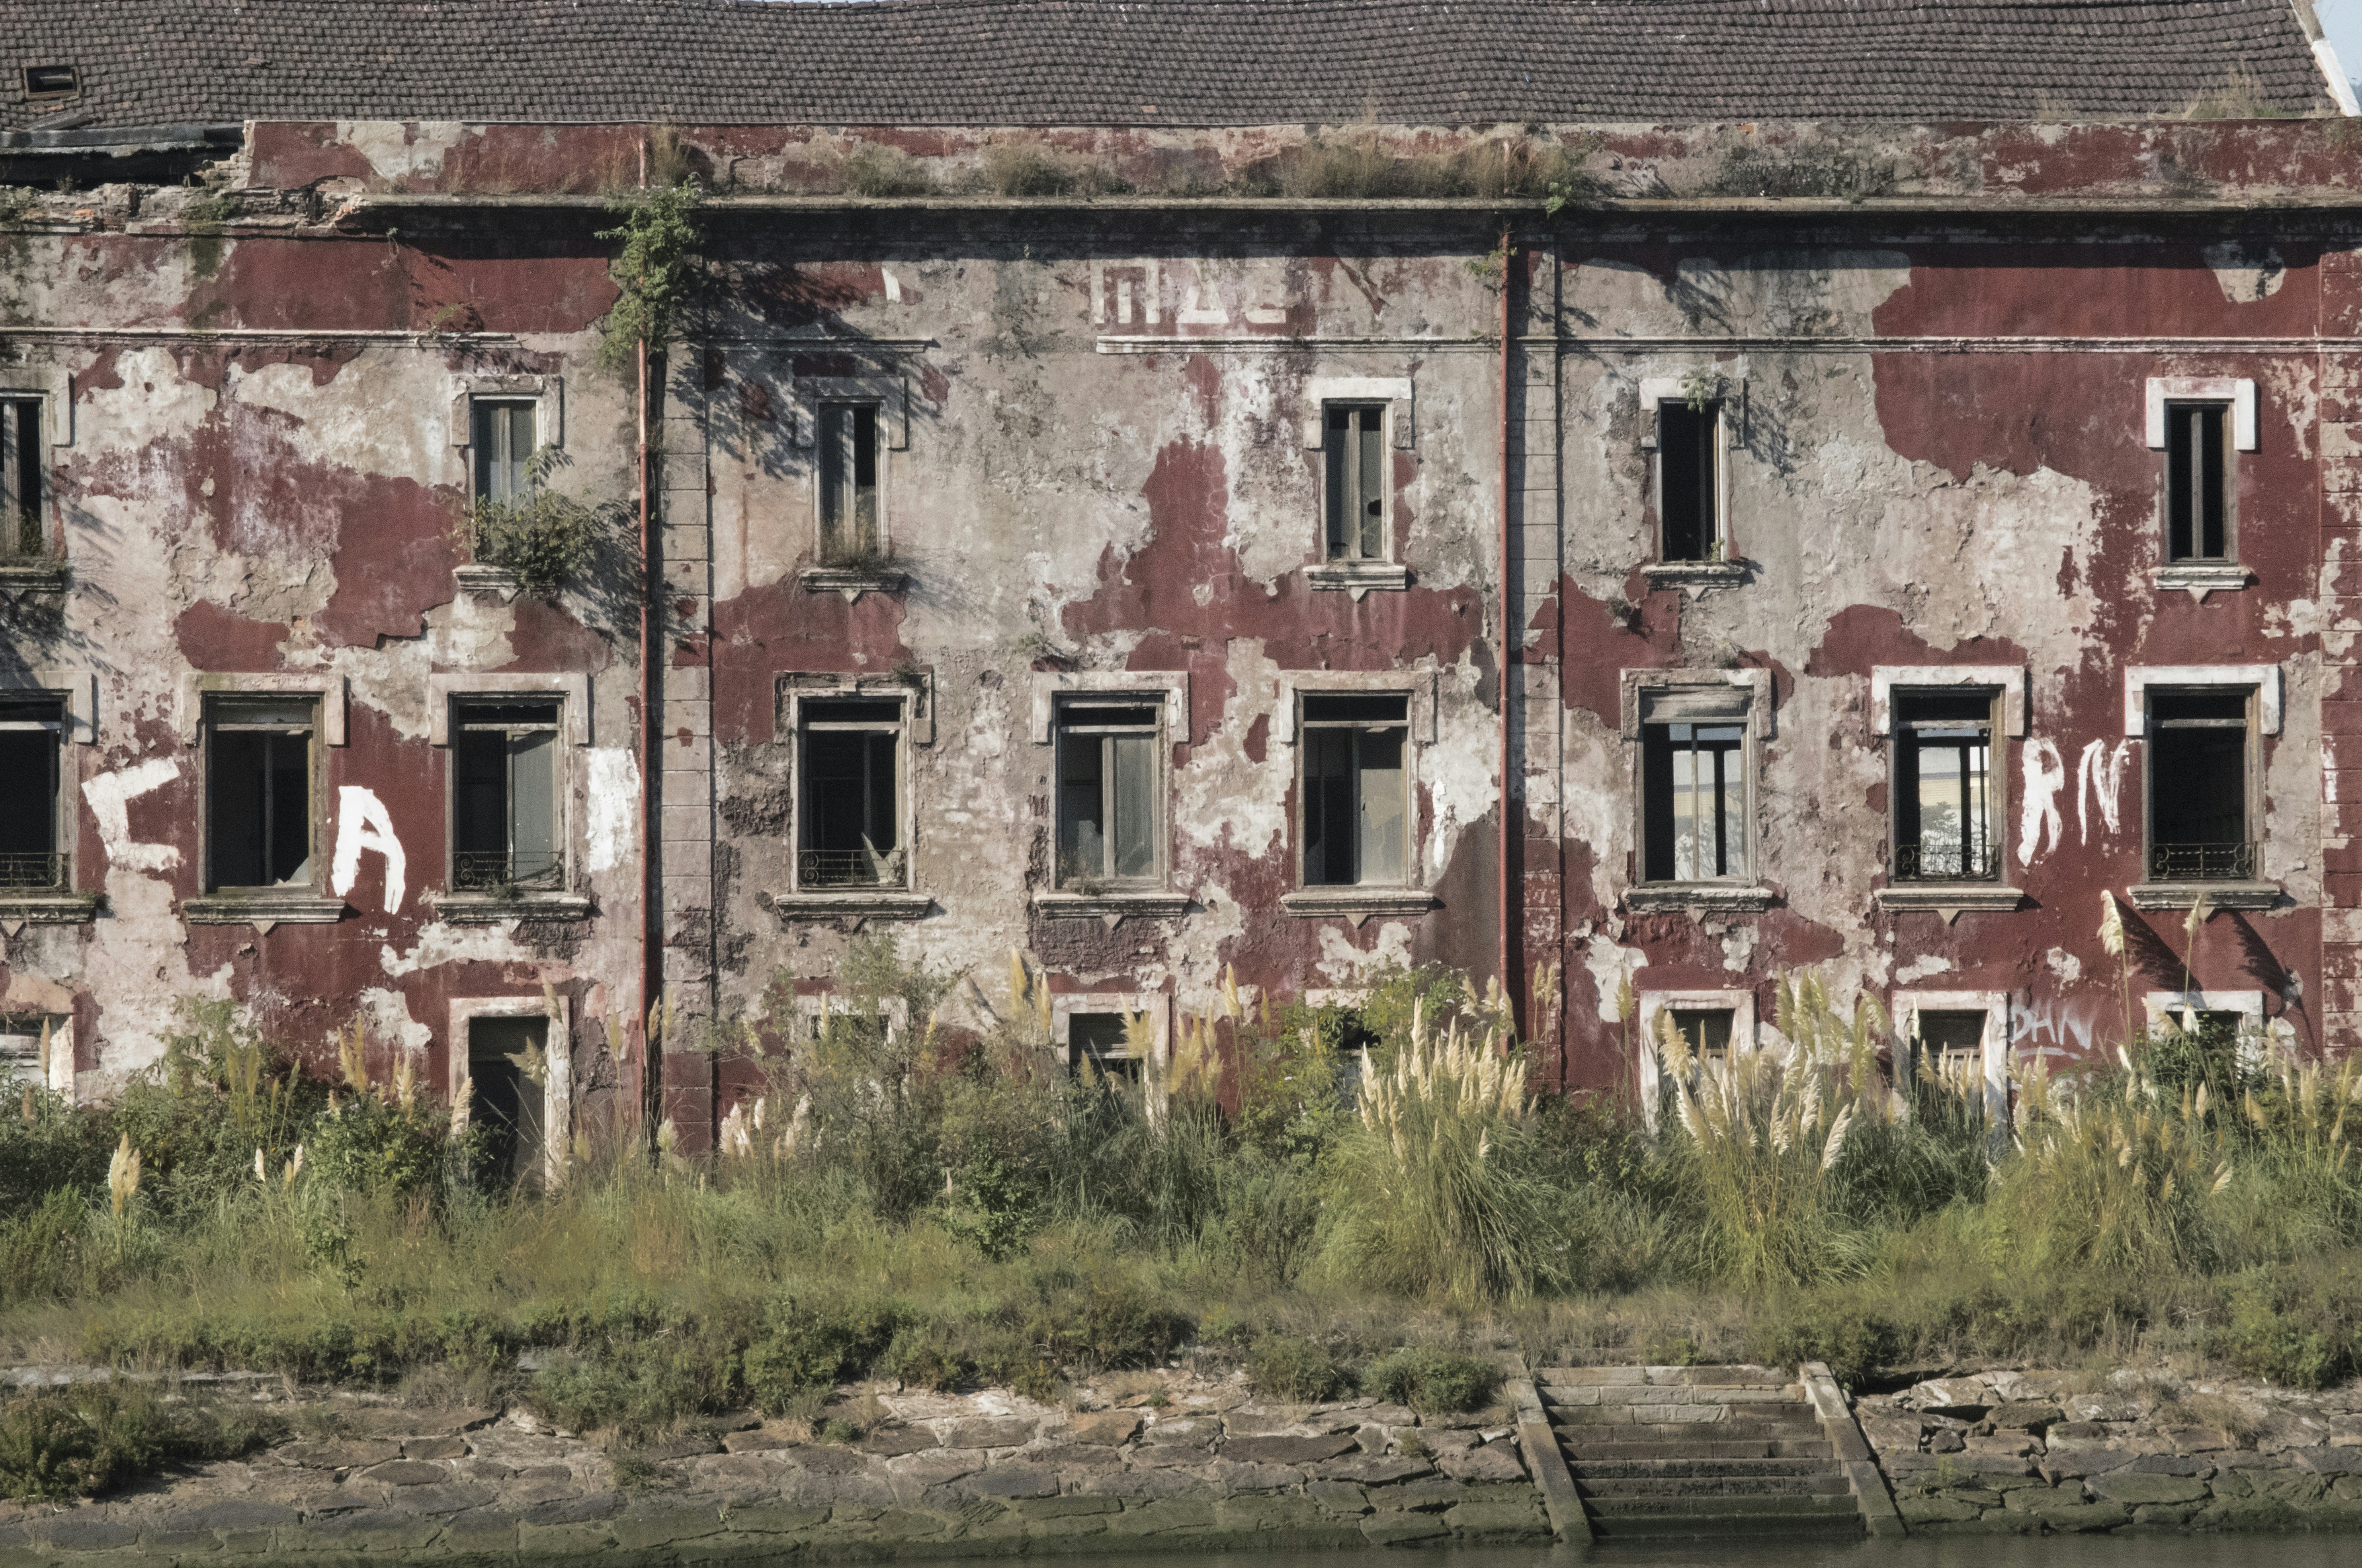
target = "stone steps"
x: 1813, y: 1447
x: 1728, y: 1465
x: 1825, y: 1484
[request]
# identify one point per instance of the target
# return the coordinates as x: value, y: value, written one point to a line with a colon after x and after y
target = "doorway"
x: 506, y: 1103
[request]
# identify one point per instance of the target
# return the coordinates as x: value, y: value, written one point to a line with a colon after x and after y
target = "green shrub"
x: 882, y: 171
x: 546, y: 538
x: 807, y: 1345
x: 2300, y: 1330
x: 926, y: 1356
x: 1298, y: 1371
x: 1853, y: 1343
x: 95, y: 1437
x: 636, y: 1396
x: 1434, y: 1381
x: 373, y: 1145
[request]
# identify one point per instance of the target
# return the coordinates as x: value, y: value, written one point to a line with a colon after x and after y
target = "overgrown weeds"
x: 96, y: 1437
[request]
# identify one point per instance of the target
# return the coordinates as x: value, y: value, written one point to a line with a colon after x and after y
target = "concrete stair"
x: 1696, y: 1451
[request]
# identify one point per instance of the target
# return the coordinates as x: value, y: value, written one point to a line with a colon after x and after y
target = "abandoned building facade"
x: 1842, y: 521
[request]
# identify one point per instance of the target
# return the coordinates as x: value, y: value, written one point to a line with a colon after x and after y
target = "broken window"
x: 504, y: 447
x: 504, y: 1055
x: 1354, y: 445
x: 1356, y: 802
x: 1944, y: 812
x: 852, y: 797
x: 1694, y: 786
x: 1689, y: 480
x: 2198, y: 770
x: 32, y: 753
x: 1108, y: 784
x: 24, y: 533
x: 849, y: 533
x: 505, y: 810
x: 2197, y: 488
x: 1707, y: 1031
x: 259, y: 784
x: 31, y: 1045
x: 1099, y: 1039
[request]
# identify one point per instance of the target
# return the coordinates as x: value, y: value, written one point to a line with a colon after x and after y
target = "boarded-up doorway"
x: 507, y: 1104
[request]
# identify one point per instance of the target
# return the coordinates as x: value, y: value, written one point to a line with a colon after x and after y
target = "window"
x: 23, y: 530
x: 504, y: 1101
x: 1944, y: 815
x: 1355, y: 800
x: 849, y: 531
x: 1707, y: 1030
x: 34, y: 1047
x: 1689, y: 480
x: 32, y: 749
x: 259, y: 780
x: 2198, y: 795
x: 1955, y: 1042
x: 852, y: 815
x: 1102, y: 1041
x: 504, y: 440
x: 1692, y: 802
x: 2197, y: 486
x: 1110, y: 788
x: 504, y: 811
x: 52, y: 80
x: 1354, y: 445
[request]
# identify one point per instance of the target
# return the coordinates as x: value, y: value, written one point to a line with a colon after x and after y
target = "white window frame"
x: 1162, y: 793
x: 557, y: 1093
x: 2266, y: 707
x: 1995, y: 1005
x: 2257, y: 1027
x: 2238, y: 392
x: 60, y: 1078
x: 1157, y: 1005
x: 571, y: 692
x: 1745, y: 890
x: 2264, y: 677
x: 1418, y: 687
x: 1730, y: 400
x: 52, y: 386
x: 2010, y: 678
x: 330, y: 689
x: 548, y: 394
x: 2010, y: 681
x: 1395, y: 398
x: 1171, y: 688
x: 906, y: 814
x: 1738, y: 1002
x: 890, y: 393
x: 811, y: 1007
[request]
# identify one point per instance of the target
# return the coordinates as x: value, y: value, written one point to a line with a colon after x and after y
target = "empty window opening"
x: 1944, y: 819
x: 2198, y: 766
x: 1706, y: 1031
x: 849, y: 534
x: 852, y: 795
x: 23, y: 532
x: 2197, y: 492
x: 1692, y: 802
x: 1689, y: 480
x: 1101, y: 1041
x: 1355, y: 800
x: 1108, y: 786
x: 1954, y: 1041
x: 259, y: 778
x: 29, y: 1043
x: 1354, y: 445
x: 504, y: 1101
x: 32, y: 753
x: 505, y: 447
x: 504, y: 797
x: 52, y: 80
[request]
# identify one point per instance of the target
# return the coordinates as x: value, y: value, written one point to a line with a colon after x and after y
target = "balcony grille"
x: 2201, y: 862
x: 848, y: 868
x: 27, y: 871
x: 1946, y: 863
x: 479, y: 870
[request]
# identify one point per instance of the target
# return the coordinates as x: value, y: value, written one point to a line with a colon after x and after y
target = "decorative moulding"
x: 1395, y: 391
x: 2264, y: 677
x: 1049, y: 685
x: 18, y: 579
x: 1699, y: 897
x: 1357, y: 578
x: 1417, y: 683
x: 918, y: 700
x: 1885, y: 677
x: 572, y: 688
x: 1949, y: 898
x: 1695, y: 576
x: 1111, y: 909
x: 329, y: 687
x: 481, y: 577
x: 79, y: 687
x: 2239, y: 393
x: 2200, y: 578
x: 890, y: 392
x: 54, y: 386
x: 491, y: 908
x: 2157, y: 895
x: 1358, y: 905
x: 547, y: 390
x: 263, y: 907
x: 851, y: 581
x: 18, y: 911
x: 1751, y: 690
x: 856, y: 909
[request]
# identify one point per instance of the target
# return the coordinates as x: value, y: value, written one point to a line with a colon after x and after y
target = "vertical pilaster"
x: 685, y: 774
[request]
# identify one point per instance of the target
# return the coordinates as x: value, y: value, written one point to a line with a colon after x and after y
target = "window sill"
x: 853, y: 581
x: 1111, y: 909
x: 21, y: 908
x: 478, y: 579
x: 1706, y: 897
x: 1357, y: 578
x: 489, y: 908
x: 2200, y: 579
x: 2218, y: 895
x: 20, y: 577
x: 862, y: 904
x: 1358, y: 904
x: 1697, y: 576
x: 263, y: 907
x: 1949, y: 898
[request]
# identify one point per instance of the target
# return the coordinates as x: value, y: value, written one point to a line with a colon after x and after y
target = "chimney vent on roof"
x: 52, y: 80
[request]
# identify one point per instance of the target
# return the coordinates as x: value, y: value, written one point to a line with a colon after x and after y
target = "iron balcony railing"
x: 848, y: 868
x: 24, y: 871
x: 477, y: 870
x: 2201, y: 862
x: 1946, y: 863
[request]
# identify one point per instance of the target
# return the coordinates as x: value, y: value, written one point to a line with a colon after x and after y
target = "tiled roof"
x: 1192, y: 62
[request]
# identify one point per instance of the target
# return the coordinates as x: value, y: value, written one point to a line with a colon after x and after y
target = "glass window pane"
x: 290, y: 808
x: 1382, y: 807
x: 1082, y: 840
x: 1337, y: 464
x: 1373, y: 487
x: 1328, y: 807
x: 833, y: 445
x: 1135, y: 805
x: 533, y: 804
x: 479, y: 796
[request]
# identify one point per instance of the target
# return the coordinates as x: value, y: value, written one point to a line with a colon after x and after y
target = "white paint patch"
x: 2045, y: 775
x: 2245, y: 271
x: 440, y: 943
x: 397, y: 151
x: 110, y: 795
x: 1343, y: 964
x: 893, y: 286
x: 1920, y: 967
x: 2065, y: 965
x: 1738, y: 948
x: 1610, y: 966
x: 364, y: 823
x: 387, y: 1013
x: 614, y: 795
x: 2099, y: 780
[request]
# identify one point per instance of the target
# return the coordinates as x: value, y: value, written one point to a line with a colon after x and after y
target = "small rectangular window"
x: 52, y: 80
x: 30, y: 1044
x: 2200, y: 750
x: 1355, y: 801
x: 504, y: 440
x: 504, y: 813
x: 259, y: 786
x: 1689, y: 480
x: 32, y: 753
x: 1945, y: 827
x: 1101, y: 1040
x: 1110, y: 782
x: 1954, y: 1040
x: 2197, y: 488
x: 852, y: 819
x: 1693, y: 797
x: 1707, y: 1030
x: 849, y: 533
x: 504, y: 1101
x: 24, y: 533
x: 1354, y: 447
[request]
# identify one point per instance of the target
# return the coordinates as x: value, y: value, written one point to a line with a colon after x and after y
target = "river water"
x: 2323, y: 1551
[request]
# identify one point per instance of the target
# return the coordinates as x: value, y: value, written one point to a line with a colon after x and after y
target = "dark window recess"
x: 848, y: 484
x: 1707, y: 1029
x: 259, y: 782
x: 504, y: 445
x: 22, y: 533
x: 2198, y: 787
x: 1689, y: 495
x: 1950, y: 1036
x: 1098, y: 1038
x: 1943, y: 787
x: 1355, y: 800
x: 2197, y: 496
x: 1354, y: 445
x: 852, y: 813
x: 52, y: 80
x: 504, y: 797
x: 1692, y: 798
x: 31, y: 752
x: 1107, y: 794
x: 504, y: 1102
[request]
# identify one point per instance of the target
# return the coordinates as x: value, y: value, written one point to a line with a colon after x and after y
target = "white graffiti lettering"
x: 363, y: 824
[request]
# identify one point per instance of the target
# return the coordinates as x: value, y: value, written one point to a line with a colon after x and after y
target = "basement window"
x: 32, y: 750
x: 259, y: 768
x: 1944, y: 810
x: 1355, y: 794
x: 24, y: 535
x: 1354, y: 446
x: 504, y: 436
x: 1954, y: 1041
x: 1707, y: 1030
x: 1100, y: 1041
x: 1689, y: 480
x: 26, y: 1040
x: 852, y: 815
x: 1109, y: 784
x: 505, y: 810
x: 2198, y: 510
x: 2201, y: 761
x: 1693, y: 800
x: 850, y: 535
x: 52, y: 80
